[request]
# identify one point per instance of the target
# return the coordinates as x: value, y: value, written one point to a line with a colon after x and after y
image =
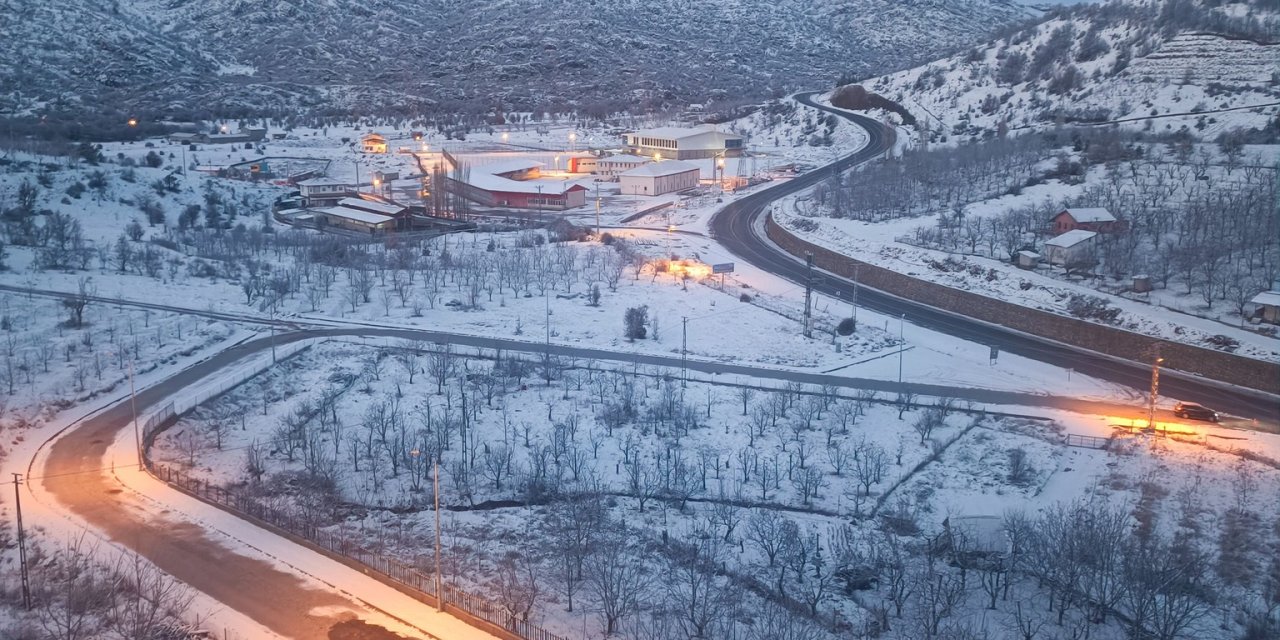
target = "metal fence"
x: 1090, y: 442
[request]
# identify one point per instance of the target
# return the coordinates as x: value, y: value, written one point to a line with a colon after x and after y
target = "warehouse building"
x: 678, y: 143
x: 657, y: 178
x: 516, y: 184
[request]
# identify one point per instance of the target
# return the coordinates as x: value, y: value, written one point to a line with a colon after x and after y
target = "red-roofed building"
x: 1094, y: 219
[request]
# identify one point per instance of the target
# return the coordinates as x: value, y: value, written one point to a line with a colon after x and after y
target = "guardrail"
x: 472, y: 609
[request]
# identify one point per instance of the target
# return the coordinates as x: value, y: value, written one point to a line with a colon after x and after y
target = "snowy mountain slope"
x: 1140, y: 60
x: 403, y: 55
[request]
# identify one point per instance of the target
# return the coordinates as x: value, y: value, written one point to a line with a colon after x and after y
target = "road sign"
x: 726, y: 267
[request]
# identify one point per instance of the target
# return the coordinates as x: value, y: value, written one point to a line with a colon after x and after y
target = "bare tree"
x: 516, y: 585
x: 616, y: 577
x: 408, y: 355
x: 764, y: 530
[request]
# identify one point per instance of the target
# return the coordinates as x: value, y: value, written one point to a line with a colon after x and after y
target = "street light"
x: 133, y: 122
x: 902, y: 346
x: 1155, y: 392
x: 505, y: 137
x: 573, y: 139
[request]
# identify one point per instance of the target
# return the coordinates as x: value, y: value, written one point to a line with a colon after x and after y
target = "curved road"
x: 737, y: 227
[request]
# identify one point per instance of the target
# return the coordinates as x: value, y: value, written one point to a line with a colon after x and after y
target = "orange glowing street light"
x: 133, y: 122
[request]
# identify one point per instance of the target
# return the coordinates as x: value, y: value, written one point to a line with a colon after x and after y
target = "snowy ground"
x: 532, y: 429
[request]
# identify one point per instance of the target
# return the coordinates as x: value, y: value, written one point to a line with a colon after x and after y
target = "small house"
x: 1028, y: 259
x: 1096, y: 219
x: 1070, y: 247
x: 373, y: 143
x: 324, y: 192
x: 1266, y: 306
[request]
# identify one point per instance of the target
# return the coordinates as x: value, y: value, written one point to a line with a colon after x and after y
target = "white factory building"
x: 681, y: 143
x: 657, y: 178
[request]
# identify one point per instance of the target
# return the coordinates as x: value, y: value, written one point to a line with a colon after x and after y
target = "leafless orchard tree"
x: 616, y: 577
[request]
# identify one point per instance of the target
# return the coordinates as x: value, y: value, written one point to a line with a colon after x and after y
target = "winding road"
x: 75, y: 469
x: 738, y: 228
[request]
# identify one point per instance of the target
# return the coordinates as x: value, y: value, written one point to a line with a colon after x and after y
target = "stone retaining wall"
x: 1217, y: 365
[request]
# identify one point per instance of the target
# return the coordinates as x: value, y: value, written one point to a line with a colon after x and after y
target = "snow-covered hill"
x: 412, y: 55
x: 1161, y: 65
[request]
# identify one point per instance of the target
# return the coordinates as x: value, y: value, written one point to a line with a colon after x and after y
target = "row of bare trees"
x: 77, y: 594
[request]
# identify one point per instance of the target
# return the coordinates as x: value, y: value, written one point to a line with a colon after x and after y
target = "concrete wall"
x: 1217, y: 365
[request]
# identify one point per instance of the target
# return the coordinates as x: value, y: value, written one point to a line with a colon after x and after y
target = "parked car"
x: 1194, y: 412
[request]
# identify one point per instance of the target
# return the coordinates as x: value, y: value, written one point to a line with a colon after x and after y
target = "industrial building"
x: 612, y: 166
x: 516, y: 184
x: 679, y: 143
x: 657, y: 178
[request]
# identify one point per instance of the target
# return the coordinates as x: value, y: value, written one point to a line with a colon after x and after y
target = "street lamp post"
x: 439, y: 591
x: 1155, y: 392
x: 902, y: 346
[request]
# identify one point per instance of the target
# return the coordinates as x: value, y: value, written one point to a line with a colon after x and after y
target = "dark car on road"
x: 1194, y: 412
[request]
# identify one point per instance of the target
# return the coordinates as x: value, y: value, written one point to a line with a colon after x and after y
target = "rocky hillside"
x: 185, y: 57
x: 1203, y: 66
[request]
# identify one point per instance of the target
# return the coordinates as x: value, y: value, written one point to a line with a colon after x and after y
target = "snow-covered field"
x: 340, y: 432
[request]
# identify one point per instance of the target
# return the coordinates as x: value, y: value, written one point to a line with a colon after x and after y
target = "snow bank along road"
x: 737, y: 227
x: 248, y: 579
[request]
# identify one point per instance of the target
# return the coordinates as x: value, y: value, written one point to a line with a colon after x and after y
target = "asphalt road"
x: 75, y: 474
x: 736, y: 228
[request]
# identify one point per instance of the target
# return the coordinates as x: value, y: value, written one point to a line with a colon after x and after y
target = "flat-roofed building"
x: 612, y: 166
x: 353, y: 219
x: 680, y: 143
x: 324, y: 192
x: 657, y: 178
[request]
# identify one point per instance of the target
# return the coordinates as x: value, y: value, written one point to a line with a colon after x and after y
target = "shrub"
x: 634, y: 323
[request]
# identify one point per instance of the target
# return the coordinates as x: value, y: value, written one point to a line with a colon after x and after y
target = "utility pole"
x: 808, y: 295
x: 855, y: 296
x: 684, y: 351
x: 902, y: 346
x: 1155, y: 389
x: 439, y: 591
x: 22, y: 543
x: 597, y: 210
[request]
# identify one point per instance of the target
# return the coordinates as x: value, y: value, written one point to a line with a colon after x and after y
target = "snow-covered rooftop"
x: 678, y: 133
x: 355, y: 214
x: 659, y: 169
x: 1070, y: 238
x: 1091, y: 214
x: 624, y: 158
x: 371, y: 205
x: 507, y: 185
x: 1268, y: 298
x: 507, y: 166
x: 323, y: 182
